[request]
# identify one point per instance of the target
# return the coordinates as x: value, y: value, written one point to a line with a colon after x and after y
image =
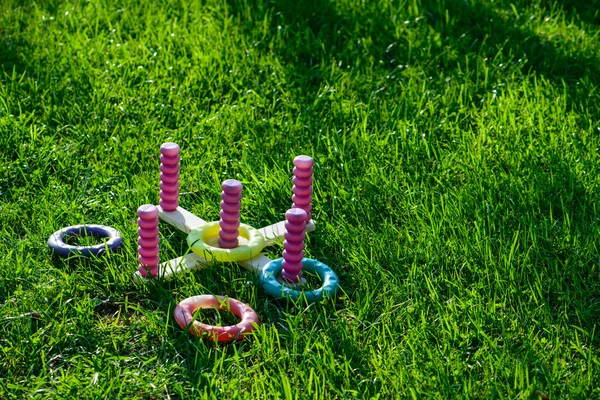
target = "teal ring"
x: 331, y: 282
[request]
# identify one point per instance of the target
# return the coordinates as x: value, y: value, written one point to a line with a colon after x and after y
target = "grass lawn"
x: 457, y: 194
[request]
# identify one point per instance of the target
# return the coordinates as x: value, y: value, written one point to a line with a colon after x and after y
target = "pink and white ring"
x: 185, y: 310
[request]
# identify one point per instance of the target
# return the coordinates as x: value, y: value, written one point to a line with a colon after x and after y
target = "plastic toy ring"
x: 272, y: 286
x: 58, y: 245
x: 199, y: 238
x: 185, y: 310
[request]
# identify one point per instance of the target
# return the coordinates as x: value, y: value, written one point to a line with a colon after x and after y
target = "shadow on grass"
x: 584, y: 10
x: 365, y: 40
x: 514, y: 38
x: 13, y: 52
x: 558, y: 220
x: 318, y: 36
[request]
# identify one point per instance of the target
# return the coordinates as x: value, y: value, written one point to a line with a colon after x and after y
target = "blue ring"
x: 58, y: 245
x: 331, y: 282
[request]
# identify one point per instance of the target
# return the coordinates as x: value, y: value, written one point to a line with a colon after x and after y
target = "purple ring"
x: 58, y: 245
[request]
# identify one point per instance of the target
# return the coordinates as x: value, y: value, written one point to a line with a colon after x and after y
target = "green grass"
x: 457, y: 148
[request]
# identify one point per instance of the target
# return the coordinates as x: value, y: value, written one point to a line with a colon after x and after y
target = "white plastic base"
x: 181, y: 219
x: 185, y: 221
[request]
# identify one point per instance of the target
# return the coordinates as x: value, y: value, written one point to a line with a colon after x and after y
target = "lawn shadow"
x: 585, y: 10
x: 336, y: 36
x: 320, y: 36
x: 13, y: 53
x: 556, y: 215
x: 14, y: 49
x: 559, y: 63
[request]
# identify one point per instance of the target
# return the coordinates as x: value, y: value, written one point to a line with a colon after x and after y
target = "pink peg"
x: 146, y: 224
x: 302, y: 200
x: 169, y: 169
x: 148, y: 233
x: 293, y: 247
x: 148, y: 240
x: 229, y: 236
x: 231, y: 198
x: 169, y: 177
x: 229, y: 226
x: 303, y: 180
x: 294, y: 244
x: 233, y: 216
x: 230, y: 214
x: 149, y: 262
x: 302, y: 191
x: 169, y: 160
x: 303, y: 173
x: 148, y: 243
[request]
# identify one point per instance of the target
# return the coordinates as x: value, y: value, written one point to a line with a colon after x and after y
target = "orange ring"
x: 185, y: 310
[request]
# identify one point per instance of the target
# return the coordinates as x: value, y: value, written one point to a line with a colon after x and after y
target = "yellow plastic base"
x: 201, y: 241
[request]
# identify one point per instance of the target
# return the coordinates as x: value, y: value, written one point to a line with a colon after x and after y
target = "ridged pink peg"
x: 303, y: 180
x: 230, y: 213
x: 148, y: 240
x: 293, y: 244
x: 169, y: 176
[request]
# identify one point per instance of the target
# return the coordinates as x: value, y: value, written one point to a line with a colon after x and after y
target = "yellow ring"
x: 198, y: 240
